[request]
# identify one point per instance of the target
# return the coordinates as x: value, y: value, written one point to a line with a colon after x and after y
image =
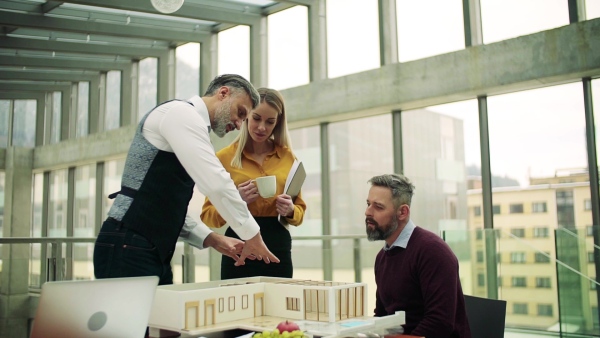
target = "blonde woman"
x: 262, y: 148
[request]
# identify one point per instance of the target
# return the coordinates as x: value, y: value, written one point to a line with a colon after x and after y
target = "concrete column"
x: 259, y: 73
x: 388, y: 32
x: 208, y: 62
x: 39, y: 119
x: 46, y: 122
x: 65, y: 113
x: 14, y: 288
x: 94, y: 106
x: 129, y: 94
x: 74, y: 110
x: 166, y: 76
x: 317, y: 40
x: 472, y: 23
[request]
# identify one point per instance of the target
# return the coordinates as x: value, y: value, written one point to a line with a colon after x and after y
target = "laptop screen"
x: 114, y: 307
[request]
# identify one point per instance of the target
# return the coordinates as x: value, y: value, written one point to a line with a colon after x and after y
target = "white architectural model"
x: 197, y: 306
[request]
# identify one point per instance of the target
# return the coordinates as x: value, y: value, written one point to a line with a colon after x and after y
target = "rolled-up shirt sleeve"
x: 193, y: 233
x: 187, y: 135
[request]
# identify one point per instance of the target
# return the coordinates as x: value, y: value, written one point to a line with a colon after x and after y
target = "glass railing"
x: 547, y: 278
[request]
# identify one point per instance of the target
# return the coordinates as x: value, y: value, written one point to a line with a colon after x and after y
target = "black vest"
x: 155, y: 194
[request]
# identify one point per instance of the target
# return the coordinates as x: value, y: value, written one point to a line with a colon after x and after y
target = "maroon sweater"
x: 423, y: 281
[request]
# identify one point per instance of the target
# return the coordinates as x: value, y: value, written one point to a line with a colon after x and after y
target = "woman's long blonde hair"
x: 280, y: 135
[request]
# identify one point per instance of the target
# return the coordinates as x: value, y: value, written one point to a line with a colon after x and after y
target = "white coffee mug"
x: 266, y: 186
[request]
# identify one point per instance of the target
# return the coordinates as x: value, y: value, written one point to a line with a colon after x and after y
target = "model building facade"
x: 198, y: 305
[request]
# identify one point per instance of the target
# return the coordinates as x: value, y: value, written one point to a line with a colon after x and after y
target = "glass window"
x: 57, y: 204
x: 288, y: 48
x: 496, y: 209
x: 479, y: 256
x: 441, y: 153
x: 590, y: 257
x: 538, y: 207
x: 85, y: 201
x: 418, y: 38
x: 38, y: 200
x: 555, y: 137
x: 83, y: 109
x: 592, y: 8
x: 113, y: 100
x: 544, y: 310
x: 519, y: 281
x: 520, y: 308
x: 113, y: 171
x: 477, y: 211
x: 234, y: 51
x: 517, y: 257
x: 36, y: 230
x: 518, y: 232
x: 56, y: 129
x: 541, y: 232
x: 516, y: 208
x: 542, y: 282
x: 148, y: 86
x: 187, y: 74
x: 355, y: 157
x: 5, y: 109
x: 587, y: 204
x: 24, y: 122
x: 525, y: 17
x: 307, y: 148
x: 480, y: 279
x: 84, y: 212
x: 349, y: 21
x: 589, y: 230
x: 542, y: 257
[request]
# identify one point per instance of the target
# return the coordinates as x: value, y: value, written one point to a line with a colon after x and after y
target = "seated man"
x: 416, y: 271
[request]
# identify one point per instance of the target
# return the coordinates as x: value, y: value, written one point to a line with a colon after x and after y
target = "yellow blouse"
x: 278, y: 163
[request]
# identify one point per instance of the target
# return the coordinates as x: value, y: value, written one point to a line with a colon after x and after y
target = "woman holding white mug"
x: 262, y: 148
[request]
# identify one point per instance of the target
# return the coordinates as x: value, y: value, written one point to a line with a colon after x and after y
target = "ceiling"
x: 73, y: 36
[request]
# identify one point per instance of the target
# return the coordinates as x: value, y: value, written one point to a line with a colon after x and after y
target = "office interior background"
x: 487, y: 105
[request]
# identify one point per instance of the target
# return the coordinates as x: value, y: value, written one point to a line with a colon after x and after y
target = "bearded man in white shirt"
x: 170, y: 153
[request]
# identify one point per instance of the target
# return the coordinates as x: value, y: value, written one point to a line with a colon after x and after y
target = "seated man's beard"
x: 380, y: 233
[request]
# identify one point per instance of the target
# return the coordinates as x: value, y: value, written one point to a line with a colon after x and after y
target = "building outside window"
x: 544, y: 310
x: 537, y: 207
x: 542, y: 258
x: 587, y: 204
x: 541, y: 232
x: 477, y: 211
x: 520, y: 282
x: 542, y: 282
x: 518, y: 232
x: 479, y: 256
x: 591, y: 257
x: 520, y: 308
x: 496, y: 209
x: 480, y: 279
x: 517, y: 257
x: 516, y: 208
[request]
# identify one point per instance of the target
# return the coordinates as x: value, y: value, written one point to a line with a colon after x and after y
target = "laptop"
x: 113, y: 307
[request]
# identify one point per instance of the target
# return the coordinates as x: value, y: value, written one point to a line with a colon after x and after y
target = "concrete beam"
x: 552, y: 57
x: 82, y: 48
x: 93, y: 148
x: 63, y: 63
x: 39, y: 21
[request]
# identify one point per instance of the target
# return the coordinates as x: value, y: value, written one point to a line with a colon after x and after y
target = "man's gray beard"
x: 378, y: 234
x: 222, y: 118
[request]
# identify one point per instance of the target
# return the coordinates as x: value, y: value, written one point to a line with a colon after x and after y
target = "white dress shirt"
x: 183, y: 129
